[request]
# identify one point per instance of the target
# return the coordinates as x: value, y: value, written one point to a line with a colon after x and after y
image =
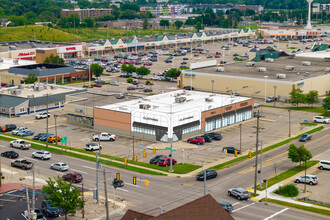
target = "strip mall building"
x: 173, y: 116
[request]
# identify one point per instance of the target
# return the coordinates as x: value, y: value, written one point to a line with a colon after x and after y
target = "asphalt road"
x: 170, y: 192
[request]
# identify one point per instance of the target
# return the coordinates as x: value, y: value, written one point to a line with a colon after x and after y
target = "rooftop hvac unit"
x: 13, y: 92
x: 292, y: 56
x: 306, y: 63
x: 289, y: 68
x: 280, y: 76
x: 327, y: 59
x: 40, y: 88
x: 18, y: 91
x: 30, y: 96
x: 208, y: 100
x: 145, y: 106
x: 327, y: 69
x: 262, y: 69
x: 20, y: 86
x: 250, y: 64
x: 307, y: 74
x: 53, y: 87
x: 15, y: 61
x: 220, y: 69
x: 1, y: 60
x: 180, y: 99
x: 269, y: 60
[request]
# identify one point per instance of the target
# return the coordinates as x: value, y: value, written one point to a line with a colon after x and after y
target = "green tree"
x: 130, y: 68
x: 88, y: 22
x: 198, y: 26
x: 326, y: 103
x: 30, y: 17
x: 312, y: 97
x: 178, y: 24
x: 31, y: 79
x: 96, y: 69
x: 145, y: 24
x: 63, y: 195
x: 173, y: 73
x: 298, y: 154
x: 297, y: 96
x: 129, y: 80
x: 190, y: 21
x: 54, y: 60
x: 164, y: 23
x: 143, y: 71
x: 124, y: 68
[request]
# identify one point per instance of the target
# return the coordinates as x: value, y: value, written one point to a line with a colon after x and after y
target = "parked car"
x: 114, y: 83
x: 209, y: 56
x: 139, y: 87
x: 271, y: 99
x: 59, y: 166
x: 321, y: 119
x: 208, y: 173
x: 49, y: 209
x: 73, y: 177
x: 227, y: 206
x: 44, y: 137
x: 22, y: 163
x: 104, y: 137
x: 131, y: 88
x: 183, y: 63
x: 214, y: 135
x: 324, y: 164
x: 305, y: 137
x: 196, y: 140
x: 97, y: 85
x: 207, y: 138
x: 42, y: 154
x: 17, y: 130
x: 117, y: 183
x: 168, y: 61
x: 92, y: 147
x: 36, y: 137
x: 240, y: 193
x: 217, y: 56
x: 21, y: 144
x: 166, y: 161
x: 188, y: 88
x: 25, y: 133
x: 8, y: 127
x: 10, y: 154
x: 310, y: 179
x: 231, y: 150
x: 147, y: 90
x: 53, y: 139
x: 42, y: 115
x: 185, y: 58
x: 156, y: 159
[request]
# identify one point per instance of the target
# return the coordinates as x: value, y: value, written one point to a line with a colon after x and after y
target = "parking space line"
x: 131, y: 184
x: 243, y: 207
x: 236, y: 203
x: 89, y: 167
x: 122, y: 189
x: 275, y: 214
x: 79, y: 171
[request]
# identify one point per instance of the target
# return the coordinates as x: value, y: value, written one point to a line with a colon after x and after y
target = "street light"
x: 212, y: 81
x: 275, y: 87
x: 240, y: 138
x: 265, y: 86
x: 289, y: 110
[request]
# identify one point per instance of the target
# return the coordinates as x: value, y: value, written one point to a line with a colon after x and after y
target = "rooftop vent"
x: 145, y: 106
x: 53, y: 87
x: 280, y: 76
x: 250, y: 64
x: 289, y: 68
x: 327, y: 69
x: 306, y: 63
x: 269, y: 60
x: 208, y: 100
x: 307, y: 74
x: 180, y: 99
x: 262, y: 69
x: 30, y: 96
x: 220, y: 69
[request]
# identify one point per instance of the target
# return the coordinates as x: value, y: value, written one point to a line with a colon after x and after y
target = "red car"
x: 196, y: 140
x: 147, y: 63
x: 217, y: 56
x: 97, y: 85
x: 126, y: 61
x: 166, y: 161
x: 196, y: 55
x: 74, y: 177
x: 3, y: 84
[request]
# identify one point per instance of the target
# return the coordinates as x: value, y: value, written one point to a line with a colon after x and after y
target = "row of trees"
x: 298, y: 97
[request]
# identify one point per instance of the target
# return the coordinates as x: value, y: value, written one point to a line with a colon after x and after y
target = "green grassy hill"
x: 42, y: 33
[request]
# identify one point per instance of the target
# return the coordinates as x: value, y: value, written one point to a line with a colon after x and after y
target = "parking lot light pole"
x: 275, y: 87
x: 55, y: 116
x: 212, y: 81
x: 47, y: 122
x: 265, y: 87
x: 240, y: 138
x: 289, y: 110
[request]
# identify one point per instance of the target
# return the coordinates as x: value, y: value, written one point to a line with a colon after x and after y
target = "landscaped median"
x: 307, y: 208
x: 238, y: 159
x: 113, y: 161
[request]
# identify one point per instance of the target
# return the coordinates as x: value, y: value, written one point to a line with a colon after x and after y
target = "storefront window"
x: 58, y: 80
x: 78, y: 78
x: 73, y: 79
x: 85, y: 77
x: 144, y: 130
x: 51, y: 81
x: 190, y: 129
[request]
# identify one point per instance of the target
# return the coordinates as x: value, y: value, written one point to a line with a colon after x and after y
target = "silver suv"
x: 321, y: 119
x: 324, y: 164
x: 240, y: 193
x: 310, y: 179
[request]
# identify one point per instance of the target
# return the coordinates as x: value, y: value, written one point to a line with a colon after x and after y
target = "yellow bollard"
x: 144, y: 154
x: 135, y: 158
x: 154, y: 150
x: 235, y: 153
x: 125, y: 161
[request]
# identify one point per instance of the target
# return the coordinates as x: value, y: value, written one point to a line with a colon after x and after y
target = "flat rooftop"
x: 7, y: 63
x: 166, y: 103
x: 97, y: 99
x: 29, y: 90
x: 240, y: 70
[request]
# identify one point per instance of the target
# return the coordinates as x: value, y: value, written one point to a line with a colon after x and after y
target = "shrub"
x: 130, y: 80
x: 287, y: 190
x: 148, y: 82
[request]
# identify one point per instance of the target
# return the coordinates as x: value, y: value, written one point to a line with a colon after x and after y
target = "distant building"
x: 318, y: 8
x: 86, y: 13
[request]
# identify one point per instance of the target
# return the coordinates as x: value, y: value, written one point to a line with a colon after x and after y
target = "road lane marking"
x: 79, y: 171
x: 263, y: 166
x: 93, y: 168
x: 275, y: 214
x: 243, y: 207
x: 2, y: 146
x: 131, y: 184
x: 236, y: 203
x: 122, y: 189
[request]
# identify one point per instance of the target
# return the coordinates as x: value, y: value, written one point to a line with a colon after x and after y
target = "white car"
x: 17, y: 130
x: 59, y: 166
x: 21, y: 144
x: 42, y: 154
x: 309, y: 179
x: 92, y: 147
x: 42, y: 115
x: 324, y: 164
x: 321, y: 119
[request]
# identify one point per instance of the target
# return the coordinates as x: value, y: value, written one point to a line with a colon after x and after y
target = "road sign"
x: 64, y: 140
x: 168, y: 148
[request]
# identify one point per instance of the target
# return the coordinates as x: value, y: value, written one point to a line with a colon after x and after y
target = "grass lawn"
x: 307, y: 208
x: 308, y: 123
x: 287, y: 174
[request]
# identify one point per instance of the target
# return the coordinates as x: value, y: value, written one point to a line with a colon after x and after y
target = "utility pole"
x: 55, y: 116
x: 97, y: 178
x: 33, y: 191
x: 100, y: 143
x: 133, y: 148
x: 47, y: 122
x: 83, y: 198
x: 275, y: 87
x: 260, y: 178
x: 28, y: 201
x: 256, y: 164
x: 240, y: 138
x: 106, y: 195
x: 289, y: 110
